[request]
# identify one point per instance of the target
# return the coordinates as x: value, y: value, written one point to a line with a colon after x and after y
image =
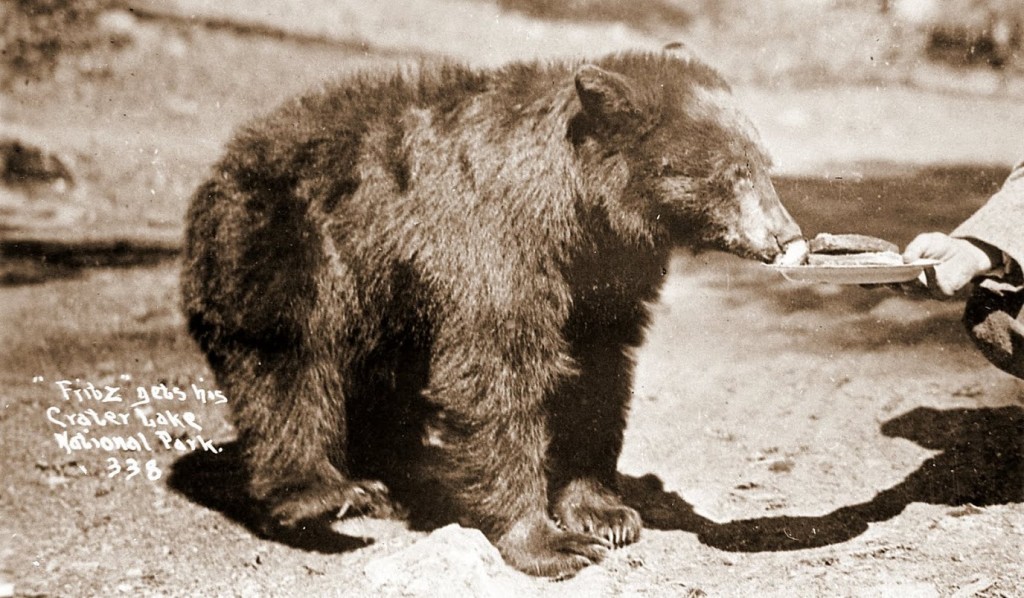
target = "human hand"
x: 960, y: 260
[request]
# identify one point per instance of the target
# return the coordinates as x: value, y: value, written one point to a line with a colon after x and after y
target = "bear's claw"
x: 588, y: 507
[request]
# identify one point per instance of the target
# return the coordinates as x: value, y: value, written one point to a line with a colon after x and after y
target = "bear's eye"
x: 666, y: 168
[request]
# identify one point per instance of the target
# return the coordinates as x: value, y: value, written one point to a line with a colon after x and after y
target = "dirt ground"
x: 785, y: 439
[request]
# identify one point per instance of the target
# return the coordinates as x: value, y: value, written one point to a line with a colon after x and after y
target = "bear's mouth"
x: 793, y: 253
x: 767, y: 253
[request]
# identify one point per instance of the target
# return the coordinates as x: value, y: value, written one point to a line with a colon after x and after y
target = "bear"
x: 423, y: 288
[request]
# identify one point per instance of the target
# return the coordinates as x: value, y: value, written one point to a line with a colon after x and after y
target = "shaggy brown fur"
x: 434, y: 280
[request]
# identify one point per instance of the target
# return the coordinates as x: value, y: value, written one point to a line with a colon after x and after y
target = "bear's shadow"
x: 981, y: 463
x: 219, y: 481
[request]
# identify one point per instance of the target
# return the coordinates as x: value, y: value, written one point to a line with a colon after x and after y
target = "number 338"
x: 132, y: 468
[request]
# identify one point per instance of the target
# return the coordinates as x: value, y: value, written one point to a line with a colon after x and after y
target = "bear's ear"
x: 605, y: 96
x: 679, y: 50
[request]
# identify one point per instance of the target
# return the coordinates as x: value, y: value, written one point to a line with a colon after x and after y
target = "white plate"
x: 854, y: 274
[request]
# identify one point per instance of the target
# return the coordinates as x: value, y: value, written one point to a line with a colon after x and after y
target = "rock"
x: 452, y: 561
x: 24, y: 164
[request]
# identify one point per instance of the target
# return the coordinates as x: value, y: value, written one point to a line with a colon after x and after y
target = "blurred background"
x: 112, y: 109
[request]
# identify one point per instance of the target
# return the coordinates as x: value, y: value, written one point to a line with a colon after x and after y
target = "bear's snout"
x: 765, y: 226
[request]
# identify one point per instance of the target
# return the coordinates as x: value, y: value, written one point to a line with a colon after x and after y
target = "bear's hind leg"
x: 292, y: 425
x: 328, y: 495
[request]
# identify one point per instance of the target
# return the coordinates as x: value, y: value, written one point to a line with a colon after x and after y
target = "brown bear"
x: 432, y: 282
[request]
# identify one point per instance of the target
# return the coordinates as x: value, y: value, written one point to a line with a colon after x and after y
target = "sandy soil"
x: 785, y: 439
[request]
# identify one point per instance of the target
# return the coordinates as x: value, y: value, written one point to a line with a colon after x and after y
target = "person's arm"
x: 960, y: 261
x: 990, y: 242
x: 999, y: 224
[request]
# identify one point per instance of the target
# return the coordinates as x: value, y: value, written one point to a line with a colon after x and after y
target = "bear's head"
x: 671, y: 157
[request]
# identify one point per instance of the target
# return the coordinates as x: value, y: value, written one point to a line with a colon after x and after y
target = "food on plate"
x: 829, y: 243
x: 865, y: 258
x: 828, y: 249
x: 847, y: 259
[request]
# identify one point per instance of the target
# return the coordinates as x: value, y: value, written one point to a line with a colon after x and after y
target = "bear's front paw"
x: 587, y: 507
x: 538, y: 547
